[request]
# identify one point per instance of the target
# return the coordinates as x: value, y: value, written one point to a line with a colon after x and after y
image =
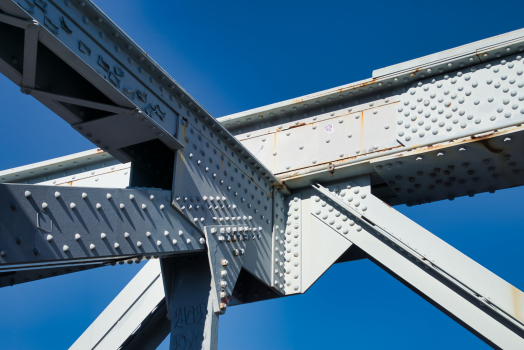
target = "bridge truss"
x: 256, y: 205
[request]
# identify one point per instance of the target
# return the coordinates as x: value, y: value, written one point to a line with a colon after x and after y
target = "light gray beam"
x: 124, y: 317
x: 482, y: 302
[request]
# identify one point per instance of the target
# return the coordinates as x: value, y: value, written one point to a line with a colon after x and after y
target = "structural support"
x: 479, y: 300
x: 126, y: 322
x: 45, y: 226
x: 194, y: 324
x: 30, y: 56
x: 78, y: 101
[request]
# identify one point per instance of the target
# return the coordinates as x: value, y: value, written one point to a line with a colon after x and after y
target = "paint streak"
x: 517, y: 301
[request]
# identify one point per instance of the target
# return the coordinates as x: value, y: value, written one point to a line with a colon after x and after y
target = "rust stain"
x: 517, y: 298
x: 485, y: 143
x: 273, y: 149
x: 297, y: 126
x: 296, y: 174
x: 361, y: 146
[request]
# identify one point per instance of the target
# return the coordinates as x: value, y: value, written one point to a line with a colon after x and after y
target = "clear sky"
x: 236, y: 55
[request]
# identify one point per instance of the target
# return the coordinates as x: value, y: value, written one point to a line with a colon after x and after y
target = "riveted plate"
x: 326, y: 140
x: 226, y: 251
x: 287, y: 248
x: 212, y: 189
x: 89, y: 223
x: 469, y: 101
x: 451, y: 171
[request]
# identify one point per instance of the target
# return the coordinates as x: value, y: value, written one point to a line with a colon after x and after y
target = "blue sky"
x: 236, y: 55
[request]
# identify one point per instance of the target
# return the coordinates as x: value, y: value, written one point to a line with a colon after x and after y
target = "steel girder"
x: 434, y: 108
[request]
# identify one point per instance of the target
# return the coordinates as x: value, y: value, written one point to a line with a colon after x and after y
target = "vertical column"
x: 194, y: 325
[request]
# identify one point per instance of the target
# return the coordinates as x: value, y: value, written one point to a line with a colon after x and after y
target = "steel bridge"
x: 259, y: 204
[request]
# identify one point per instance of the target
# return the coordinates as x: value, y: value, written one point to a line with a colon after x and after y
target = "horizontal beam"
x: 48, y: 226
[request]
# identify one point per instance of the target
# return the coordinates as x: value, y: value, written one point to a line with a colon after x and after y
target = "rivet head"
x: 65, y: 248
x: 92, y: 246
x: 27, y: 194
x: 57, y: 194
x: 103, y: 235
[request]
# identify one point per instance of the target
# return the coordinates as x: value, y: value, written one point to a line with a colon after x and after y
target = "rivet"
x: 57, y: 194
x: 65, y: 248
x: 91, y: 246
x: 138, y: 244
x: 103, y: 235
x: 77, y: 237
x: 72, y: 205
x: 116, y: 245
x: 49, y: 238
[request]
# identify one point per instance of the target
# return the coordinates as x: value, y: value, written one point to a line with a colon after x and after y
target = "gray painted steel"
x: 478, y: 299
x: 124, y: 317
x: 226, y: 251
x: 442, y: 126
x: 45, y: 225
x: 194, y: 324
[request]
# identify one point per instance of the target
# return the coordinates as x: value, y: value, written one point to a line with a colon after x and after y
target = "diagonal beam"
x: 126, y: 316
x: 14, y: 21
x: 479, y: 300
x: 77, y: 101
